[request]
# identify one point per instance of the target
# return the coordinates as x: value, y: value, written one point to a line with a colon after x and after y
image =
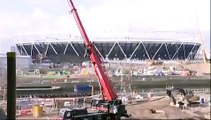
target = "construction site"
x: 145, y: 97
x: 128, y: 78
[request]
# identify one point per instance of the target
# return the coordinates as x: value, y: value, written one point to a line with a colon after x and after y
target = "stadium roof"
x: 110, y: 35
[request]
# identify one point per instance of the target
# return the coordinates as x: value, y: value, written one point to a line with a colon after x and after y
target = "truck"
x: 108, y: 106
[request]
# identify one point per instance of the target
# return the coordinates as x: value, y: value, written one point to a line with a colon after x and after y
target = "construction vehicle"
x: 185, y: 97
x: 108, y: 106
x: 3, y: 115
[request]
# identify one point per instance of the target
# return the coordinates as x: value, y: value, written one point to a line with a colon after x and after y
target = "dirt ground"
x: 142, y: 111
x: 165, y: 111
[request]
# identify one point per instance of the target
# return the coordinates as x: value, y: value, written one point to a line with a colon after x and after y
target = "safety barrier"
x: 23, y: 112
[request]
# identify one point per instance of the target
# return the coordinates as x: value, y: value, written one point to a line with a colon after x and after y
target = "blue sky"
x: 22, y: 17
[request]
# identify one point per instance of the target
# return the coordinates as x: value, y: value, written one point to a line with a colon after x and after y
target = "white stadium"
x: 64, y: 47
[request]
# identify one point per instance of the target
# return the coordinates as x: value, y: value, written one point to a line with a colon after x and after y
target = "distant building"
x: 21, y: 61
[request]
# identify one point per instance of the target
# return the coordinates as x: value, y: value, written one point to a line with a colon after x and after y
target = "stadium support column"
x: 11, y: 85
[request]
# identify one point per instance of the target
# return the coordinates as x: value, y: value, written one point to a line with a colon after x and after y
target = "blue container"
x: 82, y: 88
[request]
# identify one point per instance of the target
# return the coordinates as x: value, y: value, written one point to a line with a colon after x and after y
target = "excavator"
x: 187, y: 97
x: 108, y: 106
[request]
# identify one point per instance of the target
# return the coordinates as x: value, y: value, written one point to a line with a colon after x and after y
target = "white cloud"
x: 38, y: 13
x: 159, y: 14
x: 144, y: 15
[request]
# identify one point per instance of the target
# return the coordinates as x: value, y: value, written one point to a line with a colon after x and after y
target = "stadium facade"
x: 126, y: 48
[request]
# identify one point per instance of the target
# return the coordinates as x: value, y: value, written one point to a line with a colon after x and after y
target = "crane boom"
x: 204, y: 56
x: 110, y: 106
x: 201, y: 37
x: 95, y: 59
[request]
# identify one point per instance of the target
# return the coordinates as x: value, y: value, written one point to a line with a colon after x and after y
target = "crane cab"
x: 70, y: 113
x: 115, y: 106
x: 99, y: 104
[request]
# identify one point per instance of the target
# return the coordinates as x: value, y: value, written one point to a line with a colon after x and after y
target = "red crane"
x: 105, y: 83
x: 110, y: 101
